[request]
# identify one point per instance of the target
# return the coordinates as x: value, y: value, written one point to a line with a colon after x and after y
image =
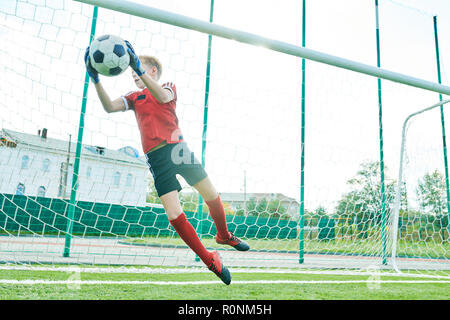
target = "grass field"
x: 199, y: 284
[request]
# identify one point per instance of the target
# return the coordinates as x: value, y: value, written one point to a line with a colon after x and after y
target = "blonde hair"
x: 152, y: 62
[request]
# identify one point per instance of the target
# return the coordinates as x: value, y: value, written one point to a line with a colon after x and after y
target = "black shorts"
x: 165, y: 163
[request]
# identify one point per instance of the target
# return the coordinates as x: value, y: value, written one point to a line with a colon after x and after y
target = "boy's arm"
x: 108, y: 104
x: 160, y: 94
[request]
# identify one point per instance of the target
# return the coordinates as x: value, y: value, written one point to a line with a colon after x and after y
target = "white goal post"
x: 396, y: 213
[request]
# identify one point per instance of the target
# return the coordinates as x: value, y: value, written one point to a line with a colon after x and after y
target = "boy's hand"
x: 135, y: 63
x: 93, y: 74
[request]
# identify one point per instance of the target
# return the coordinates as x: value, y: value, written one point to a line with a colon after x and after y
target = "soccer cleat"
x: 235, y: 242
x: 219, y: 269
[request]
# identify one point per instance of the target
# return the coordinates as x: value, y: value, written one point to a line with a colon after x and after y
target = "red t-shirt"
x: 157, y: 122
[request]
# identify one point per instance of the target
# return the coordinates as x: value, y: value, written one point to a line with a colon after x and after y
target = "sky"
x: 254, y: 113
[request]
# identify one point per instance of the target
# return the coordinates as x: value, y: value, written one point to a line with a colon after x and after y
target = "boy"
x: 167, y: 154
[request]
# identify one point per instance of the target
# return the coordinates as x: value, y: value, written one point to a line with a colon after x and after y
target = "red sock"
x: 187, y: 232
x: 218, y: 215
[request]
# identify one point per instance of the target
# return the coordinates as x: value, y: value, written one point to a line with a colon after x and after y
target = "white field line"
x: 146, y: 270
x: 179, y: 283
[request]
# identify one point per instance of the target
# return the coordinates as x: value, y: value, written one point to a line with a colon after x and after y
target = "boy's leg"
x: 186, y: 231
x: 192, y: 171
x: 217, y: 211
x: 183, y: 227
x: 212, y: 199
x: 195, y: 175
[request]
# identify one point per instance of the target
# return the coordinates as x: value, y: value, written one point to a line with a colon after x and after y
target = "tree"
x: 152, y: 195
x: 321, y: 211
x: 432, y: 199
x: 264, y: 208
x: 189, y: 202
x: 431, y: 193
x: 276, y: 209
x: 228, y: 208
x: 261, y: 208
x: 363, y: 202
x: 251, y: 207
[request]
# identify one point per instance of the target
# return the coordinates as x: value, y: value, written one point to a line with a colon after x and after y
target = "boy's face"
x: 152, y: 71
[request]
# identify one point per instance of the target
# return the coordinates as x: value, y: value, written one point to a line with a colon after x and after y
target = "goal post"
x: 73, y: 192
x: 400, y: 189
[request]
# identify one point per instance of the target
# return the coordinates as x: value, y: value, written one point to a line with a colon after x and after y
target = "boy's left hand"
x: 93, y: 74
x: 135, y: 63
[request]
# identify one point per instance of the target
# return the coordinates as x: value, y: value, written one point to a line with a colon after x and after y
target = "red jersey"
x: 157, y: 122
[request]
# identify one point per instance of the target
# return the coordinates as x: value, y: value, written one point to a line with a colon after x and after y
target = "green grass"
x: 214, y: 291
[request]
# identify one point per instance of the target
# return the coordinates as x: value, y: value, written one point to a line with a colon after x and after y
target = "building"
x: 37, y: 165
x: 238, y: 200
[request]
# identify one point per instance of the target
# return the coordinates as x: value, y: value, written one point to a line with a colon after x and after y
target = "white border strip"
x: 180, y: 283
x: 190, y: 270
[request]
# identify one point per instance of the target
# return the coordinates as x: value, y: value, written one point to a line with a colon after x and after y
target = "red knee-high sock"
x: 218, y: 215
x: 187, y: 232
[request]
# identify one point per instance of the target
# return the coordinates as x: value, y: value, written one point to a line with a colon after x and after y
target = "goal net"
x: 335, y: 212
x: 420, y: 214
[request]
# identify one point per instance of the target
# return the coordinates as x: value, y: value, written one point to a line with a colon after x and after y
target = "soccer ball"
x: 108, y: 55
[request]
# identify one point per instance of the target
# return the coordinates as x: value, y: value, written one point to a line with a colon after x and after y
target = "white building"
x: 36, y: 165
x: 239, y: 200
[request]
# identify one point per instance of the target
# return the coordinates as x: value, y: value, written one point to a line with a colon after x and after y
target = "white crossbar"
x: 178, y: 20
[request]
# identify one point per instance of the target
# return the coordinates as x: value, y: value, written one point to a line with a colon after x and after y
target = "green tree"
x: 431, y: 193
x: 362, y: 203
x: 432, y: 199
x: 261, y: 208
x: 189, y: 201
x: 264, y: 208
x: 321, y: 211
x: 152, y: 195
x: 276, y: 209
x: 251, y: 207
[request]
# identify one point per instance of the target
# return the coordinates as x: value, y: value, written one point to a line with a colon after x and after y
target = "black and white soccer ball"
x: 109, y: 55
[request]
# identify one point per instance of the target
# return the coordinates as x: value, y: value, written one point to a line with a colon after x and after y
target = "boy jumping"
x: 167, y: 154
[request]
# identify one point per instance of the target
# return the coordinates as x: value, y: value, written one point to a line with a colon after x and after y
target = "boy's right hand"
x: 135, y: 62
x: 93, y: 74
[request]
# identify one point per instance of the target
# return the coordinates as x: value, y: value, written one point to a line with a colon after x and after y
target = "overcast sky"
x: 255, y: 98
